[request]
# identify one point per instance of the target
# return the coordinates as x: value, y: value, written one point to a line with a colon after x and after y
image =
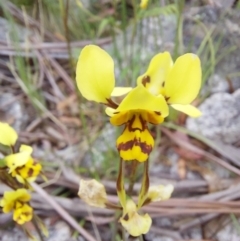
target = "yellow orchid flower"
x: 178, y: 82
x: 134, y: 223
x: 95, y: 80
x: 8, y: 136
x: 17, y: 201
x: 22, y: 166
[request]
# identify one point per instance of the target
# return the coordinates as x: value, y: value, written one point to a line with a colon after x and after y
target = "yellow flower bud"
x: 93, y: 193
x: 160, y: 192
x: 8, y: 135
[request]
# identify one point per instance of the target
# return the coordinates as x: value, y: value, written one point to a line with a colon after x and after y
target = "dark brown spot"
x: 126, y: 217
x: 27, y: 213
x: 30, y: 172
x: 146, y: 79
x: 158, y: 112
x: 163, y: 83
x: 111, y: 104
x: 167, y: 98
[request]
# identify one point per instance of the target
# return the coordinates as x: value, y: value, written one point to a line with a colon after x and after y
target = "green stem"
x: 120, y: 185
x: 132, y: 177
x: 145, y: 186
x: 140, y: 238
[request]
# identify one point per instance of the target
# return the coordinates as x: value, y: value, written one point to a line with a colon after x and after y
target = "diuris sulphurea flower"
x: 96, y: 81
x: 20, y: 164
x: 17, y: 201
x: 178, y: 82
x: 163, y: 84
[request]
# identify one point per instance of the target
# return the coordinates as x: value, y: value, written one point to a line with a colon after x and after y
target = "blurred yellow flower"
x: 179, y: 83
x: 160, y: 192
x: 22, y: 166
x: 134, y: 223
x: 144, y: 4
x: 93, y: 193
x: 95, y: 80
x: 17, y: 201
x: 8, y: 135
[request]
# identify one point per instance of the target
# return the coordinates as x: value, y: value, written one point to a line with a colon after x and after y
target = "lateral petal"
x: 188, y: 109
x: 95, y: 74
x: 119, y: 91
x: 184, y: 80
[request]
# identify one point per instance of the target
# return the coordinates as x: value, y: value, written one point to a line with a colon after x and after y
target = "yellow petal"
x: 23, y: 214
x: 144, y: 4
x: 10, y: 198
x: 26, y: 148
x: 141, y: 99
x: 95, y: 74
x: 120, y: 118
x: 16, y: 160
x: 119, y: 91
x: 157, y: 72
x: 135, y: 144
x: 110, y: 111
x: 184, y: 80
x: 8, y: 135
x: 160, y: 192
x: 134, y: 223
x: 188, y: 109
x: 29, y: 171
x: 93, y: 193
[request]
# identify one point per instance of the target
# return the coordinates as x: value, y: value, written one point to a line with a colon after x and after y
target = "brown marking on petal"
x: 146, y: 79
x: 27, y: 213
x: 15, y: 204
x: 30, y: 172
x: 167, y: 98
x: 143, y: 122
x: 126, y: 146
x: 111, y: 104
x: 157, y: 112
x: 145, y: 148
x: 126, y: 217
x: 163, y: 83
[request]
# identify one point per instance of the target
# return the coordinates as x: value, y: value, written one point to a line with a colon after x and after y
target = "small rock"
x: 220, y: 119
x: 217, y: 84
